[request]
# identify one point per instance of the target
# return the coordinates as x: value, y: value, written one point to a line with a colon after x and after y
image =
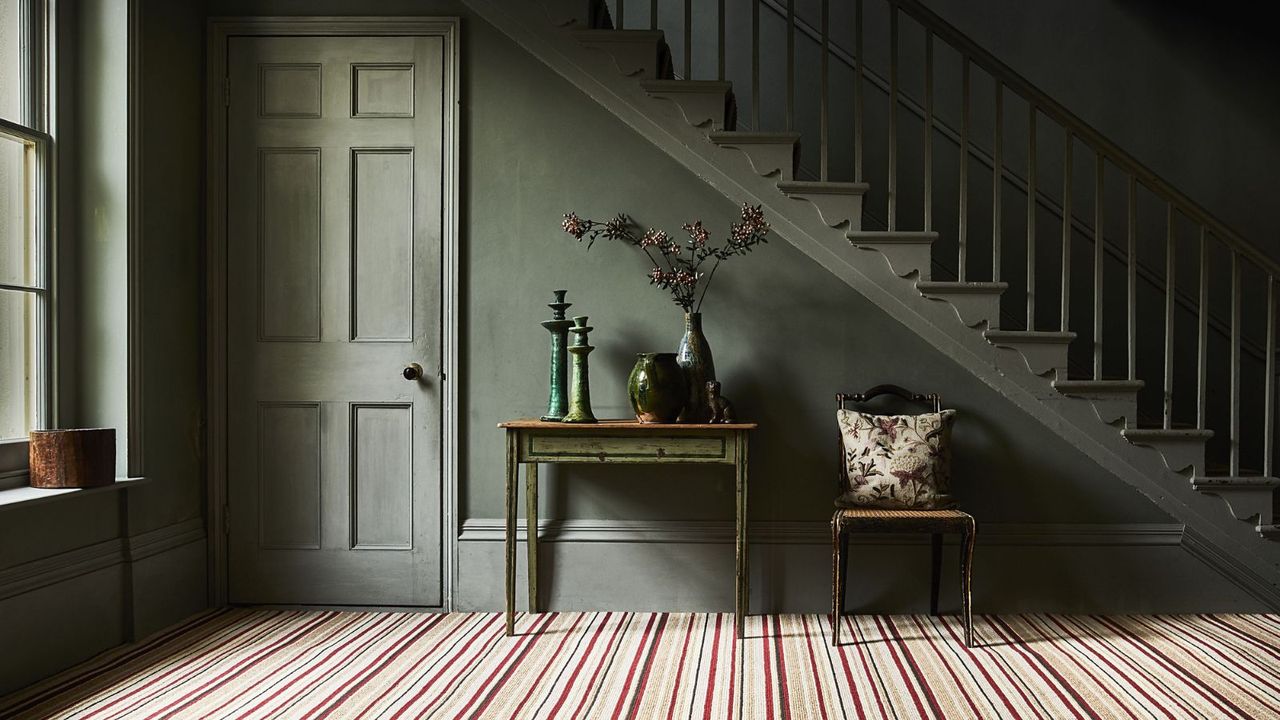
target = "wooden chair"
x: 870, y: 519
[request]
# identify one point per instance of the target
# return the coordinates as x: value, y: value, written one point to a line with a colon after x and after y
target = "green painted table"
x: 530, y: 442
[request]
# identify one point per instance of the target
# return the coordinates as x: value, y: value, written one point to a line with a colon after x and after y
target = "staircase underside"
x: 627, y: 72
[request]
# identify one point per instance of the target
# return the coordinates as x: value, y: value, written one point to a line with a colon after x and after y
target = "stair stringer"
x: 1255, y: 565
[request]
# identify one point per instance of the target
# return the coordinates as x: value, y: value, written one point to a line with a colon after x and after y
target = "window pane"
x: 18, y: 259
x: 19, y: 399
x: 11, y: 60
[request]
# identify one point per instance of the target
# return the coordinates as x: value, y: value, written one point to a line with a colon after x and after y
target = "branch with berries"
x: 677, y: 267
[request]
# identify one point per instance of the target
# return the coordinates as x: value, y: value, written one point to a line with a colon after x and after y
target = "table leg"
x: 531, y: 530
x: 743, y: 589
x: 513, y: 469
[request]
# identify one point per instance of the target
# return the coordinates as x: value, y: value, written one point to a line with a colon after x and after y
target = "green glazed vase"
x: 656, y: 387
x: 694, y: 357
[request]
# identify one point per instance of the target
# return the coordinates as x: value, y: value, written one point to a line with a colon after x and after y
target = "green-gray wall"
x: 786, y: 335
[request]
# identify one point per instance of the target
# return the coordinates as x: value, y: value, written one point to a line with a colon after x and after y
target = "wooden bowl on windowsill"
x: 84, y: 458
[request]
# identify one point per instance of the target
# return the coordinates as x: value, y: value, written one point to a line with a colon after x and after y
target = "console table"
x: 530, y: 442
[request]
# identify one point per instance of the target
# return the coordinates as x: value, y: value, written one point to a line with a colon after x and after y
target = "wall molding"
x: 818, y: 533
x: 65, y: 566
x: 1232, y: 569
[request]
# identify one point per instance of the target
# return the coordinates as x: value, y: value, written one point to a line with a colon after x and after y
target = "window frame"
x: 35, y: 128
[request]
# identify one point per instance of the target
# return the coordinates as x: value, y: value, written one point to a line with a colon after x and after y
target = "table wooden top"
x: 621, y: 424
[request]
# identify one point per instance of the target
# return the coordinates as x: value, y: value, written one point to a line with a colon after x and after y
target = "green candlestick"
x: 580, y: 388
x: 558, y: 398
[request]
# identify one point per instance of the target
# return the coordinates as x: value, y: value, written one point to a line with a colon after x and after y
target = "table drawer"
x: 674, y: 448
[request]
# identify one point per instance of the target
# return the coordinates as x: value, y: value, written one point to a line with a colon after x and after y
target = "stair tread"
x: 886, y: 236
x: 689, y: 86
x: 816, y: 187
x: 730, y: 136
x: 1030, y: 336
x: 961, y: 287
x: 1252, y: 482
x: 1117, y: 386
x: 614, y: 35
x: 1167, y: 433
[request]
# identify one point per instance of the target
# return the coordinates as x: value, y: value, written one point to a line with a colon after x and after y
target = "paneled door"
x: 335, y: 153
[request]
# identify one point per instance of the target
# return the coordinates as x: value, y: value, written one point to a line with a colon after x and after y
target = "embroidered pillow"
x: 896, y: 461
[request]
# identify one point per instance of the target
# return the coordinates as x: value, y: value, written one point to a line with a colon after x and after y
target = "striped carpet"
x: 308, y: 664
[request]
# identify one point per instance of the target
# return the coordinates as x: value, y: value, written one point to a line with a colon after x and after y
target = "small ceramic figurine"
x: 721, y: 408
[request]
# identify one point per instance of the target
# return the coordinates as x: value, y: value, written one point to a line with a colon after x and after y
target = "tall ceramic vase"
x: 694, y: 357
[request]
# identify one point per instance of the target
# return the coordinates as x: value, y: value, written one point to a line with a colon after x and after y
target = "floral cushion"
x: 896, y: 461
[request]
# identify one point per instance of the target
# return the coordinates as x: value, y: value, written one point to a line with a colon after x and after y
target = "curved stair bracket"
x: 768, y: 153
x: 702, y: 103
x: 1249, y: 498
x: 906, y: 252
x: 1045, y: 353
x: 1112, y: 400
x: 975, y: 303
x: 639, y: 54
x: 837, y: 203
x: 1180, y: 449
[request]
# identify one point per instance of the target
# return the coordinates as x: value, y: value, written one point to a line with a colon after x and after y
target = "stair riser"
x: 768, y: 159
x: 1111, y: 407
x: 640, y: 59
x: 1178, y: 455
x: 835, y: 210
x: 709, y: 110
x: 1043, y: 359
x: 903, y: 258
x: 973, y: 309
x: 1252, y: 504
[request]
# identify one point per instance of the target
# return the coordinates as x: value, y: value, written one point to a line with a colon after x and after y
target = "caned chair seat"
x: 854, y: 513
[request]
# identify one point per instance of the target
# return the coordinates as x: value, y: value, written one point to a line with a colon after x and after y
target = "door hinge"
x: 226, y: 91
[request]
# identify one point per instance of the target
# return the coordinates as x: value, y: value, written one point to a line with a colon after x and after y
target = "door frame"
x: 220, y: 31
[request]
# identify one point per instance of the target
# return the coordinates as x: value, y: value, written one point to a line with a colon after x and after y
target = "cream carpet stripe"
x: 304, y: 665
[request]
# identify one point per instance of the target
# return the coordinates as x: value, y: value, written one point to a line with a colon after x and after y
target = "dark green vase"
x: 656, y: 388
x: 694, y: 357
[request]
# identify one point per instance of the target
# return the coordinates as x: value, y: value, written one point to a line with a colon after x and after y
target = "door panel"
x: 334, y: 156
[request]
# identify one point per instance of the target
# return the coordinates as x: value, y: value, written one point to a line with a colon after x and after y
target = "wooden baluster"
x: 653, y: 14
x: 1269, y: 411
x: 688, y: 39
x: 1235, y: 364
x: 1099, y: 255
x: 1132, y: 271
x: 755, y: 65
x: 791, y: 65
x: 1202, y: 334
x: 619, y: 23
x: 997, y: 183
x: 1068, y: 160
x: 1031, y: 217
x: 893, y: 119
x: 859, y: 51
x: 1169, y: 256
x: 822, y: 118
x: 963, y: 221
x: 928, y: 130
x: 720, y: 73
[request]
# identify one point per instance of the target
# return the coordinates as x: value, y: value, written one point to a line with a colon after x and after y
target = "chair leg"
x: 836, y: 580
x: 966, y: 580
x: 935, y: 572
x: 844, y: 568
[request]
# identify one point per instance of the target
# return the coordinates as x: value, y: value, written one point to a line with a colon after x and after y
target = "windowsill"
x: 27, y: 495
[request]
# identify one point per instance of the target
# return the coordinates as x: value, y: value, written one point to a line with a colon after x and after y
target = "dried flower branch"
x: 673, y: 270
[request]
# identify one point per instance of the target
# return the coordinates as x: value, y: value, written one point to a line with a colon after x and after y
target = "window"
x: 25, y: 220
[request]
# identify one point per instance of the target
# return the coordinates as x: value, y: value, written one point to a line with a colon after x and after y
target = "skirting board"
x: 60, y: 610
x: 688, y: 566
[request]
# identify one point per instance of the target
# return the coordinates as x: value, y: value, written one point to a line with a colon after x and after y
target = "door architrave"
x: 220, y: 31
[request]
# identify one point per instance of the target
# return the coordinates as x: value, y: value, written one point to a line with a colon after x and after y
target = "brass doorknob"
x: 413, y: 371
